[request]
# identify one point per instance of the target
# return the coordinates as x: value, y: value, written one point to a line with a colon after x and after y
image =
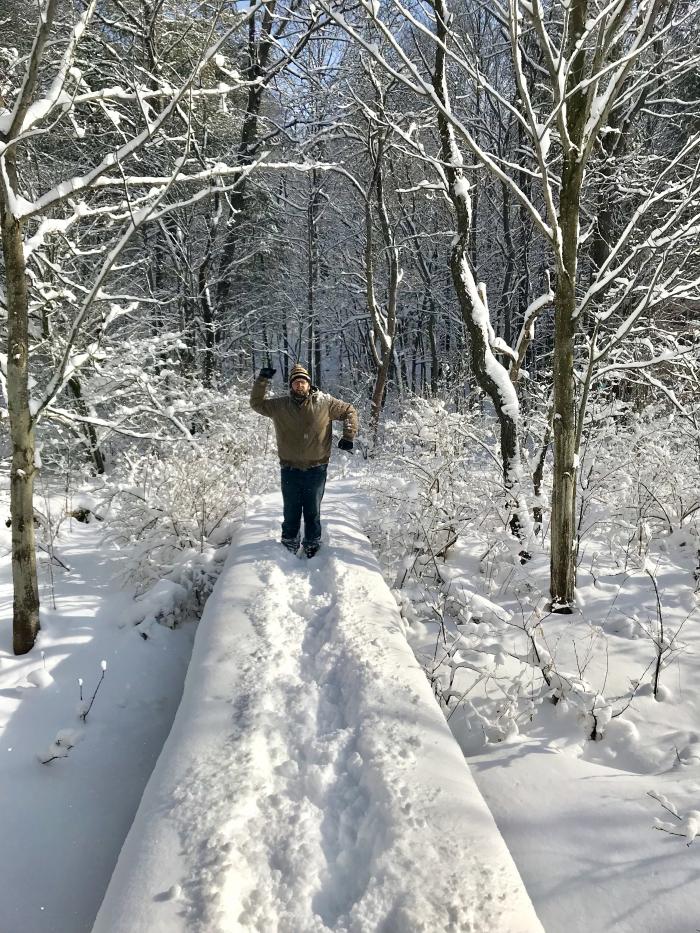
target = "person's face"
x: 300, y: 388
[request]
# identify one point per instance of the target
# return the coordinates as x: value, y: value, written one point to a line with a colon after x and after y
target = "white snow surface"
x: 310, y: 782
x: 62, y: 824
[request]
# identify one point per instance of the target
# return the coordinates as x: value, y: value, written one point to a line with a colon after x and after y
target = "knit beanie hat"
x: 298, y: 372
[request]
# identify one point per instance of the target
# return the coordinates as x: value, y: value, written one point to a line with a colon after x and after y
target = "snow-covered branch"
x: 24, y: 208
x: 66, y: 366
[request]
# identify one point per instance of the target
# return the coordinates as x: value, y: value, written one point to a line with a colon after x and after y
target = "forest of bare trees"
x: 492, y: 204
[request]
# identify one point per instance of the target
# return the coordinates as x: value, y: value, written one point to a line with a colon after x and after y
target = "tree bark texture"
x: 563, y: 526
x: 25, y: 620
x: 562, y: 557
x: 465, y: 287
x: 383, y: 322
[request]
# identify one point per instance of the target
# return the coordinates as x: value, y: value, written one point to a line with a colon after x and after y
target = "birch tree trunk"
x: 24, y: 576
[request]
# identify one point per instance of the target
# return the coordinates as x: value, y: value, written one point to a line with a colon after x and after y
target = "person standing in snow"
x: 303, y: 426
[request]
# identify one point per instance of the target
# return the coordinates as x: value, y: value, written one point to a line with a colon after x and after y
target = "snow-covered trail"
x: 310, y: 783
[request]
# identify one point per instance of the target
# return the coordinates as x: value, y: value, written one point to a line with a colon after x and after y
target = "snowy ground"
x: 576, y: 813
x: 63, y: 823
x: 582, y: 837
x: 310, y: 782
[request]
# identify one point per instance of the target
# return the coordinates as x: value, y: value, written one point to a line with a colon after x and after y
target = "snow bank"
x: 64, y: 821
x: 310, y: 782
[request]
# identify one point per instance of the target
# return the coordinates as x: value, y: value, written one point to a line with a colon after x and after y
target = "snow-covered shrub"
x: 499, y: 662
x: 687, y: 826
x: 449, y: 559
x: 181, y: 501
x: 166, y: 463
x: 645, y: 465
x: 442, y: 482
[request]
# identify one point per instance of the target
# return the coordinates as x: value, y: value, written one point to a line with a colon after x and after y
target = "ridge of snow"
x: 310, y: 782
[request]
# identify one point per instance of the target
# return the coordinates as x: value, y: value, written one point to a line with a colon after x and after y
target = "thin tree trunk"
x: 434, y: 358
x: 472, y: 301
x: 414, y: 359
x: 562, y: 563
x: 383, y: 324
x: 287, y: 349
x: 538, y: 475
x: 25, y: 619
x: 87, y: 427
x: 507, y: 303
x: 563, y: 527
x: 207, y: 324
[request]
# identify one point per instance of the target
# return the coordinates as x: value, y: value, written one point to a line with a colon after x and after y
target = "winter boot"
x: 311, y: 550
x: 291, y: 544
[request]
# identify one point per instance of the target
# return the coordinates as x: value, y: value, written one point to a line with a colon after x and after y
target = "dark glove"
x: 267, y: 372
x: 345, y: 444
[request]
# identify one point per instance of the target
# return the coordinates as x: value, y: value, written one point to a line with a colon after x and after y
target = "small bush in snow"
x: 184, y: 498
x: 477, y: 618
x: 86, y: 707
x: 687, y: 826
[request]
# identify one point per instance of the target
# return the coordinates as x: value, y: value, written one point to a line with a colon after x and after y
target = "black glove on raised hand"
x: 267, y: 372
x: 345, y: 444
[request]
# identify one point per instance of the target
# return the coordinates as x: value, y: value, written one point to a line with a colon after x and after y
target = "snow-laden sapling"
x: 67, y: 738
x: 59, y: 748
x: 84, y: 709
x: 665, y: 648
x: 40, y: 677
x: 687, y: 826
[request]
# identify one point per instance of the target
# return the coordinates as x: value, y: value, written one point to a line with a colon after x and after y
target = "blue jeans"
x: 302, y: 491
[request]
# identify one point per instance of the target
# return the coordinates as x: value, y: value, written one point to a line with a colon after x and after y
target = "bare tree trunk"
x: 287, y: 349
x: 313, y: 350
x: 383, y: 323
x: 434, y: 358
x: 507, y: 303
x: 318, y: 356
x: 538, y: 474
x: 472, y: 302
x: 87, y: 426
x: 258, y: 51
x: 206, y: 309
x: 25, y: 617
x: 206, y: 316
x: 562, y: 564
x: 563, y: 527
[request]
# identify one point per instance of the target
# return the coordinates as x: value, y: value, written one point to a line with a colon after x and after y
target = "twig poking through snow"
x: 688, y: 826
x: 84, y: 714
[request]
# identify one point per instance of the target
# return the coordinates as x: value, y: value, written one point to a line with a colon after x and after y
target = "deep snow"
x: 310, y: 782
x: 582, y: 836
x: 63, y: 823
x: 324, y: 794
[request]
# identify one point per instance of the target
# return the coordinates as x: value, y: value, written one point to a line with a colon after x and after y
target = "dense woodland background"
x: 480, y: 223
x: 493, y: 207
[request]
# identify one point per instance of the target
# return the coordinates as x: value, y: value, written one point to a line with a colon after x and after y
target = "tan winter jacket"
x: 304, y: 429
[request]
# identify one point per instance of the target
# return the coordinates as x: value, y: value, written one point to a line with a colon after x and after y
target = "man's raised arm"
x: 258, y: 402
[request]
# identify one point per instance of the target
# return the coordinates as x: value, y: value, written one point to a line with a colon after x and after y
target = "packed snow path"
x: 310, y: 783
